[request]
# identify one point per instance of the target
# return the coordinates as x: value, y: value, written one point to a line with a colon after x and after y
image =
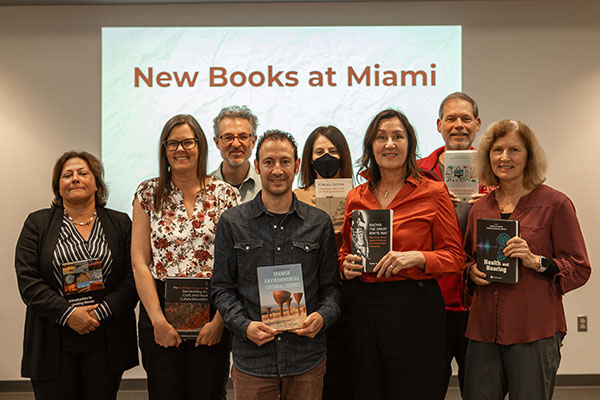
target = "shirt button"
x: 281, y: 227
x: 274, y: 226
x: 279, y: 338
x: 278, y: 248
x: 305, y: 247
x: 247, y: 247
x: 420, y: 284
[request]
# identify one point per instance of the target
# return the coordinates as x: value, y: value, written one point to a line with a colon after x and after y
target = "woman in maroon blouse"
x: 516, y: 330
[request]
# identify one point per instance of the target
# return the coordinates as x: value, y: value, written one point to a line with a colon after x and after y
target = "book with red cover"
x: 187, y: 305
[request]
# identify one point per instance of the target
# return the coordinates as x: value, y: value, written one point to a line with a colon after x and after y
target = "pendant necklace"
x: 80, y: 223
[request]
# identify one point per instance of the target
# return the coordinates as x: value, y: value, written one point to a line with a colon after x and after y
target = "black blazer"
x: 40, y: 291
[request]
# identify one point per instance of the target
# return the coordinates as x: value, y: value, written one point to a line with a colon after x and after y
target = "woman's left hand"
x: 211, y: 333
x: 517, y: 247
x: 395, y: 261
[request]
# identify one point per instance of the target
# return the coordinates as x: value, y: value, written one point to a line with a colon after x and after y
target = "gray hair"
x: 459, y: 95
x: 242, y: 112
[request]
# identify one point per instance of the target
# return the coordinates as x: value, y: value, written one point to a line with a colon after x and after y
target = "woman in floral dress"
x: 175, y: 218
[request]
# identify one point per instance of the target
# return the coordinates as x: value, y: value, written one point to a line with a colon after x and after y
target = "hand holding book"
x: 518, y: 247
x: 477, y: 276
x: 211, y: 332
x: 310, y: 326
x: 260, y: 333
x: 395, y: 261
x: 165, y: 335
x: 352, y: 266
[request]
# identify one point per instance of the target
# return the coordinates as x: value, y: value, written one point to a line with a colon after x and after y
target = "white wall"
x: 530, y: 60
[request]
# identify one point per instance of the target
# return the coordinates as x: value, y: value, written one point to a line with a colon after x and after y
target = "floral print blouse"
x: 183, y: 246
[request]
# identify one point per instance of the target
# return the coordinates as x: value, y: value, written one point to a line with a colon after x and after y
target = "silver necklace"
x: 511, y: 202
x: 80, y: 223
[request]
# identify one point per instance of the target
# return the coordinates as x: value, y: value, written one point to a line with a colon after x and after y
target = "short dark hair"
x: 164, y: 177
x: 307, y: 173
x: 242, y: 112
x: 276, y: 134
x: 369, y: 164
x: 95, y: 166
x: 459, y: 95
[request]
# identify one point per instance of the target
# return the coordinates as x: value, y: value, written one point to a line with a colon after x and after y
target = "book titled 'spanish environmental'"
x: 82, y: 282
x: 187, y: 305
x: 492, y: 236
x: 458, y: 173
x: 282, y: 299
x: 371, y: 235
x: 330, y: 196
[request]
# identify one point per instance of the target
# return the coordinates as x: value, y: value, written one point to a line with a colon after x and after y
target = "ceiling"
x: 116, y: 2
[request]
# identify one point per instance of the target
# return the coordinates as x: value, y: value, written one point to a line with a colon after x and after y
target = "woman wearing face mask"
x: 326, y: 155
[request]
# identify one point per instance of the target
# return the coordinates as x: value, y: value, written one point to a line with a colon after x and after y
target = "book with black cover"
x: 371, y: 235
x: 82, y: 282
x: 187, y: 305
x: 492, y: 235
x: 282, y: 299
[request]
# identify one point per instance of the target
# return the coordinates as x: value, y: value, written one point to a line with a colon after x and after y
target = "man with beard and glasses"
x: 235, y: 137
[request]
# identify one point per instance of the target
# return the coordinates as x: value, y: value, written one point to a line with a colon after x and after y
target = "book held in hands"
x: 187, y: 305
x: 458, y: 173
x: 282, y: 299
x: 371, y: 235
x: 330, y: 196
x: 82, y: 282
x: 492, y: 236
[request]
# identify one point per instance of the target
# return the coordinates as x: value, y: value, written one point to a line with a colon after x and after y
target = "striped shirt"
x: 71, y: 246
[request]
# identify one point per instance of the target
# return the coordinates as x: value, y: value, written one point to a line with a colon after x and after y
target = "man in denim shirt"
x: 276, y: 229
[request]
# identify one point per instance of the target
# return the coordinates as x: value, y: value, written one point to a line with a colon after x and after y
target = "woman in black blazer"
x: 73, y: 351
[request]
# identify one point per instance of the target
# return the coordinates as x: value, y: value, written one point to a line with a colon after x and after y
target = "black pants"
x: 456, y: 345
x: 185, y: 372
x: 84, y: 373
x: 398, y: 334
x: 339, y: 349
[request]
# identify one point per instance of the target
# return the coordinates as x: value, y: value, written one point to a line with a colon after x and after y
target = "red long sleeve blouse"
x: 424, y: 220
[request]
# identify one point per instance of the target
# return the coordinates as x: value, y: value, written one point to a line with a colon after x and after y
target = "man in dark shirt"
x: 276, y: 229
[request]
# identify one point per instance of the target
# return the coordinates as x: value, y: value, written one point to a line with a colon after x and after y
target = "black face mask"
x: 326, y: 165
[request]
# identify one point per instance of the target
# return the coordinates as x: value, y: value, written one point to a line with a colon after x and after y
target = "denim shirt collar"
x: 258, y: 207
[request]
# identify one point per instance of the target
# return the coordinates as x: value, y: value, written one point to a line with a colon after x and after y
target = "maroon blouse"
x: 532, y: 309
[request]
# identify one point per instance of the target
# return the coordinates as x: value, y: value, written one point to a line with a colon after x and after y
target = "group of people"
x: 389, y: 334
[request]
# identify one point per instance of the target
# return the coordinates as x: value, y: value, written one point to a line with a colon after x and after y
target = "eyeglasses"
x: 187, y: 144
x: 229, y: 138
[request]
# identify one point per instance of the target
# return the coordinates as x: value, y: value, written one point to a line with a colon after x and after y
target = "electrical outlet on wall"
x: 582, y: 323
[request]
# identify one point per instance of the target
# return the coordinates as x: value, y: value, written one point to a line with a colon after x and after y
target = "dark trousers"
x: 524, y: 370
x: 398, y: 335
x: 84, y: 373
x: 185, y: 372
x: 456, y: 345
x: 339, y: 350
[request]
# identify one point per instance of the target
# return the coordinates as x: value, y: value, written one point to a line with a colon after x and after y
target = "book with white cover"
x: 458, y: 173
x: 330, y: 196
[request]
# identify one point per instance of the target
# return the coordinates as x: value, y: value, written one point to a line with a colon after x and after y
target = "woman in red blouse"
x: 516, y: 330
x: 398, y: 311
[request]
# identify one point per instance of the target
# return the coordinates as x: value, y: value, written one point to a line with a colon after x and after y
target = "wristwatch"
x: 543, y: 264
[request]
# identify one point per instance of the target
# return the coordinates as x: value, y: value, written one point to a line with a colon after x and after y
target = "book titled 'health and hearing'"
x: 492, y: 235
